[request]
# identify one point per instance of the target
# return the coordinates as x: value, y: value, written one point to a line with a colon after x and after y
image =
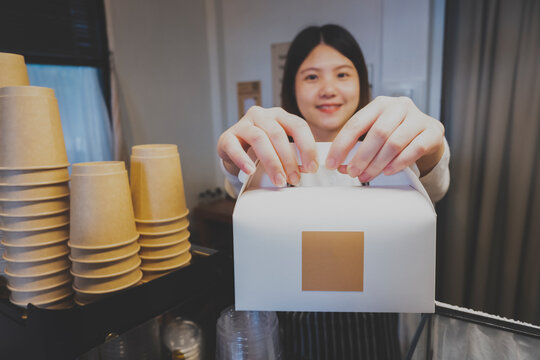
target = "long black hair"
x: 332, y: 35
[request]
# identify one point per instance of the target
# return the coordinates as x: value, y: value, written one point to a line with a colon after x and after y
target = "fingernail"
x: 250, y: 169
x: 294, y: 178
x: 331, y: 163
x: 279, y: 180
x: 364, y: 177
x: 353, y: 171
x: 313, y: 166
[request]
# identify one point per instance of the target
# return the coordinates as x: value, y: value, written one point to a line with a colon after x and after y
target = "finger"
x: 415, y: 150
x: 279, y: 140
x: 230, y: 150
x: 357, y: 125
x: 263, y: 148
x: 298, y: 128
x: 376, y: 137
x: 398, y: 140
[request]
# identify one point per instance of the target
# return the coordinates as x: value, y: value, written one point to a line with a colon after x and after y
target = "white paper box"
x: 394, y: 214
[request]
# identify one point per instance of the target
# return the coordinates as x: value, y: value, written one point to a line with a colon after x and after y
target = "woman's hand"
x: 266, y: 132
x: 398, y: 134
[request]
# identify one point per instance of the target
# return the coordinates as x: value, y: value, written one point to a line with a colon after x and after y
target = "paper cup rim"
x: 166, y: 244
x: 102, y: 261
x: 139, y: 157
x: 105, y: 276
x: 44, y: 303
x: 42, y: 167
x: 168, y: 267
x: 11, y: 288
x: 55, y: 256
x: 159, y: 221
x: 37, y: 183
x: 102, y: 292
x: 42, y: 199
x: 37, y: 275
x: 49, y: 90
x: 110, y: 246
x: 142, y: 148
x: 104, y: 166
x: 4, y: 244
x: 168, y: 256
x: 168, y: 232
x: 36, y: 215
x: 36, y: 229
x: 96, y: 175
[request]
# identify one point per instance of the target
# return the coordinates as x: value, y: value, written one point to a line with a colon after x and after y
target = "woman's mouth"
x: 328, y: 108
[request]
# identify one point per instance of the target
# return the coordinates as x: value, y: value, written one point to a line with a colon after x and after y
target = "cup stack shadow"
x: 104, y: 247
x: 157, y: 189
x: 34, y: 191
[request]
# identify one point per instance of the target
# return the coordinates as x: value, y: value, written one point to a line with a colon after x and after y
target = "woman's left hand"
x: 398, y: 134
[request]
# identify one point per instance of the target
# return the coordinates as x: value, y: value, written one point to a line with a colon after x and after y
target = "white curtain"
x: 85, y: 120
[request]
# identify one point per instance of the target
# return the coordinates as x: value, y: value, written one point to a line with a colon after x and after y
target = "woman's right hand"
x: 266, y: 132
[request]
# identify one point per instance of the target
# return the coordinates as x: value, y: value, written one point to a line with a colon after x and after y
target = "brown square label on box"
x: 332, y: 260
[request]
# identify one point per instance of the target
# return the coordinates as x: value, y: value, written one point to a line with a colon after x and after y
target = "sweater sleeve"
x: 437, y: 181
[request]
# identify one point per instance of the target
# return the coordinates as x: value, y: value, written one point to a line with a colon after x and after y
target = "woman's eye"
x: 342, y: 75
x: 311, y: 77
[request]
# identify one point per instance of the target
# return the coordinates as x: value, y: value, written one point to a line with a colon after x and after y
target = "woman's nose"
x: 327, y: 90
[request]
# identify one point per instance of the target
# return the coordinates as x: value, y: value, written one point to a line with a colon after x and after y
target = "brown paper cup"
x: 33, y: 253
x: 27, y: 91
x: 151, y: 275
x: 107, y: 254
x: 34, y: 208
x: 31, y: 134
x: 167, y: 263
x: 34, y: 177
x: 162, y: 227
x: 101, y: 208
x: 41, y: 267
x: 158, y: 252
x: 108, y: 283
x: 87, y: 296
x: 12, y: 70
x: 154, y: 150
x: 65, y: 303
x: 40, y: 296
x: 35, y: 237
x: 33, y: 192
x: 2, y: 267
x: 157, y: 188
x: 88, y: 269
x: 38, y: 282
x: 21, y: 223
x: 163, y: 240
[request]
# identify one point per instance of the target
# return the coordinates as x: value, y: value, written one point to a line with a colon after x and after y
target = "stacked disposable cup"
x: 34, y: 197
x: 104, y: 247
x: 12, y: 70
x: 159, y: 203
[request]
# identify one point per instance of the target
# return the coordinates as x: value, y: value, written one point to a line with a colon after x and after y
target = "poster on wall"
x: 249, y: 94
x: 279, y: 54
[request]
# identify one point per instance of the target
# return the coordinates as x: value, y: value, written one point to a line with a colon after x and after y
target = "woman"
x: 325, y: 97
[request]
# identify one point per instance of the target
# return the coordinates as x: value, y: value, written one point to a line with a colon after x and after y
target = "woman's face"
x: 327, y: 89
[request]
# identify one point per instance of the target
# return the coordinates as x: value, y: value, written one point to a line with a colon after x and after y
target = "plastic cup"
x: 13, y: 70
x: 158, y: 251
x: 30, y: 253
x: 166, y: 263
x: 33, y: 192
x: 37, y: 207
x: 35, y: 237
x: 166, y: 239
x: 162, y: 227
x: 108, y: 268
x: 43, y: 295
x: 21, y: 223
x: 113, y: 281
x: 157, y: 186
x: 107, y: 254
x: 31, y: 134
x: 38, y: 267
x: 101, y: 208
x: 34, y: 177
x: 37, y: 281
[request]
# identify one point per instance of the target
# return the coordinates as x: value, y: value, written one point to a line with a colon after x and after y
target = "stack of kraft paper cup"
x: 159, y: 202
x: 34, y: 198
x: 103, y: 242
x: 13, y: 70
